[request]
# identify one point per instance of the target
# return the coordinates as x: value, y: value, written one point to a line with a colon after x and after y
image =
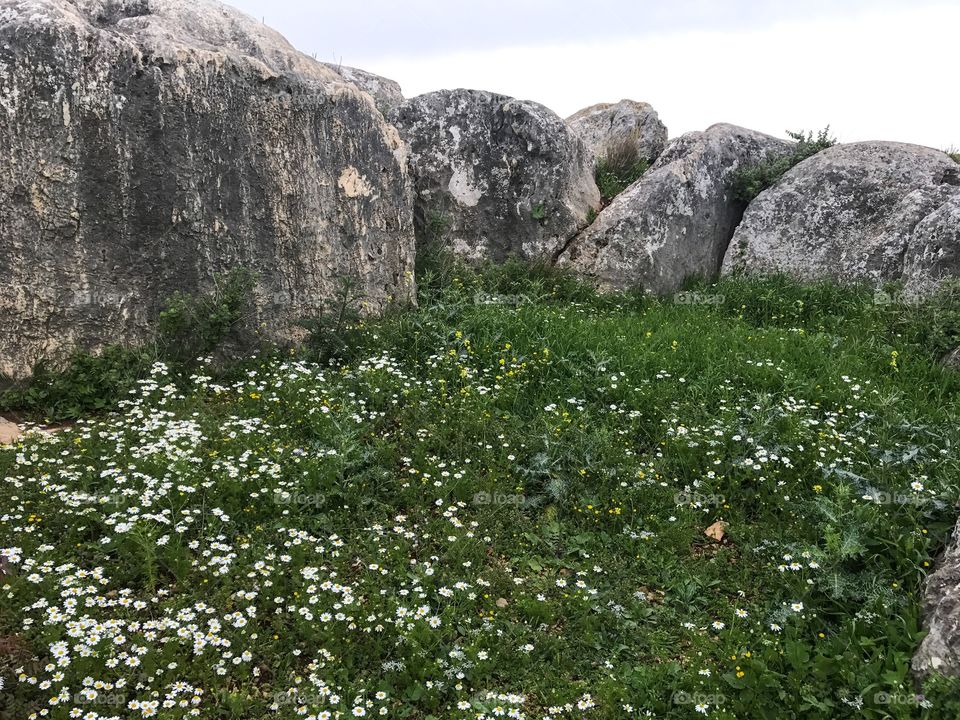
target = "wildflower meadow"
x: 519, y: 500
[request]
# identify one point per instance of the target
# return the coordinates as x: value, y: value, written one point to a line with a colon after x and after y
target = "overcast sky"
x: 873, y: 70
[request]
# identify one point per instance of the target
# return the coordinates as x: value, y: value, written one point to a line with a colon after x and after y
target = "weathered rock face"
x: 865, y: 212
x: 149, y: 144
x: 940, y: 650
x: 673, y: 223
x: 495, y: 177
x: 385, y: 93
x: 952, y: 359
x: 608, y: 125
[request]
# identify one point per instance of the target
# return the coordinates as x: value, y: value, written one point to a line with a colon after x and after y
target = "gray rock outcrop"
x: 675, y: 222
x: 939, y: 652
x: 864, y: 212
x: 495, y: 177
x: 952, y: 359
x: 607, y: 126
x: 386, y: 93
x: 151, y: 144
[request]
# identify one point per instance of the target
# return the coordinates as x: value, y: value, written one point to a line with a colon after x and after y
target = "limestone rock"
x: 673, y: 223
x: 386, y: 93
x: 865, y: 212
x: 495, y: 177
x: 608, y: 125
x: 151, y: 144
x: 952, y: 359
x: 939, y: 651
x: 9, y: 432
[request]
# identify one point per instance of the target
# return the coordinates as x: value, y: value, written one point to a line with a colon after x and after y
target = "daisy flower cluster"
x: 457, y: 535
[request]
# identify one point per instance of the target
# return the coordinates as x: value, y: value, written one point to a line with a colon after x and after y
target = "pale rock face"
x: 939, y: 652
x: 385, y: 93
x: 608, y: 124
x: 495, y: 177
x: 9, y: 432
x: 864, y: 212
x: 675, y: 222
x: 151, y: 144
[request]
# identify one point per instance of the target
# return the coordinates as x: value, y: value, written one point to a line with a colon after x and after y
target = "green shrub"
x: 196, y: 325
x: 932, y: 323
x: 83, y: 385
x: 750, y: 181
x: 87, y: 383
x: 619, y: 168
x: 336, y: 328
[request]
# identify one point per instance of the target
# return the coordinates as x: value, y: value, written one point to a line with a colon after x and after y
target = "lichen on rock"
x: 152, y: 144
x: 869, y: 212
x: 675, y: 222
x: 495, y: 177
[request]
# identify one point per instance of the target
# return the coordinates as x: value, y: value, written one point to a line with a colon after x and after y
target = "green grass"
x: 499, y: 500
x: 192, y: 328
x: 751, y: 180
x: 618, y: 169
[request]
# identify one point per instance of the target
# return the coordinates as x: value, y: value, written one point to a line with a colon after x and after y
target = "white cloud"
x: 887, y: 74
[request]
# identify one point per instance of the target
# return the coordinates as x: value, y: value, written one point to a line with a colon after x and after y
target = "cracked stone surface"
x: 386, y: 93
x: 605, y: 125
x: 675, y: 222
x: 151, y: 144
x: 939, y: 651
x: 864, y: 212
x: 495, y: 177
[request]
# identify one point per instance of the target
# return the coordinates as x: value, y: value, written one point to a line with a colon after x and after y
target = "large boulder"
x: 865, y: 212
x: 386, y: 93
x: 673, y: 223
x: 149, y: 145
x: 939, y: 652
x: 608, y: 127
x: 495, y: 177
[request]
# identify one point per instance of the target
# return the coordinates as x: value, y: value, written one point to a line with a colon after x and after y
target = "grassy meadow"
x: 519, y: 500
